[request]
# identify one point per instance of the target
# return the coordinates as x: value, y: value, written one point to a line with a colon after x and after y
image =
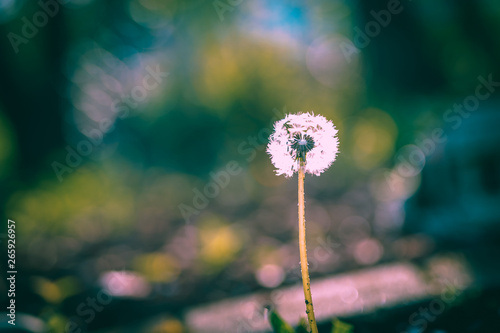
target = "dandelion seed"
x: 306, y: 138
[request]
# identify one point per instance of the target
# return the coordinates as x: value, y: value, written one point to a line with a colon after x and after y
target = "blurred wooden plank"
x: 346, y: 294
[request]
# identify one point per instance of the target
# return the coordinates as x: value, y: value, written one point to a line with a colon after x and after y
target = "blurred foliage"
x: 341, y: 327
x: 278, y: 324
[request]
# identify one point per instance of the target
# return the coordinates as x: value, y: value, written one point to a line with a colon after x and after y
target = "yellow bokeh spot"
x: 373, y: 138
x: 221, y: 77
x: 168, y: 326
x: 55, y: 291
x: 49, y: 290
x: 57, y: 323
x: 157, y: 267
x: 220, y: 243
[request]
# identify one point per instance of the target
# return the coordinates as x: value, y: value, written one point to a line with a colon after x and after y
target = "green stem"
x: 306, y: 282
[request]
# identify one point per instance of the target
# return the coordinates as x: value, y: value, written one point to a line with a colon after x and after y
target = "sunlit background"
x: 132, y: 158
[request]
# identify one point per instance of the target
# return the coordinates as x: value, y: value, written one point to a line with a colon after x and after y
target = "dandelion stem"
x: 306, y: 282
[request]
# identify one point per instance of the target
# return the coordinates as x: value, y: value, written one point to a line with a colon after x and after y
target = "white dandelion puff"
x: 304, y: 137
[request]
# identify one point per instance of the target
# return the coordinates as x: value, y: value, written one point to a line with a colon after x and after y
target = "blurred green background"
x: 133, y: 134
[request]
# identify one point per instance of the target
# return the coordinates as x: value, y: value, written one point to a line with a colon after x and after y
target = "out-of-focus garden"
x: 132, y: 160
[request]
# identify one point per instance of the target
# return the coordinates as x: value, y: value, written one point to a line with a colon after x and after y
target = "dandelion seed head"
x: 303, y: 137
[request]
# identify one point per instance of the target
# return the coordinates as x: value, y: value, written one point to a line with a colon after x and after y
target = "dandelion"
x: 303, y: 143
x: 303, y: 137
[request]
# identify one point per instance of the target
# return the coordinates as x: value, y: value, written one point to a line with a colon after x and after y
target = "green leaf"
x: 278, y: 324
x: 341, y: 327
x: 302, y: 328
